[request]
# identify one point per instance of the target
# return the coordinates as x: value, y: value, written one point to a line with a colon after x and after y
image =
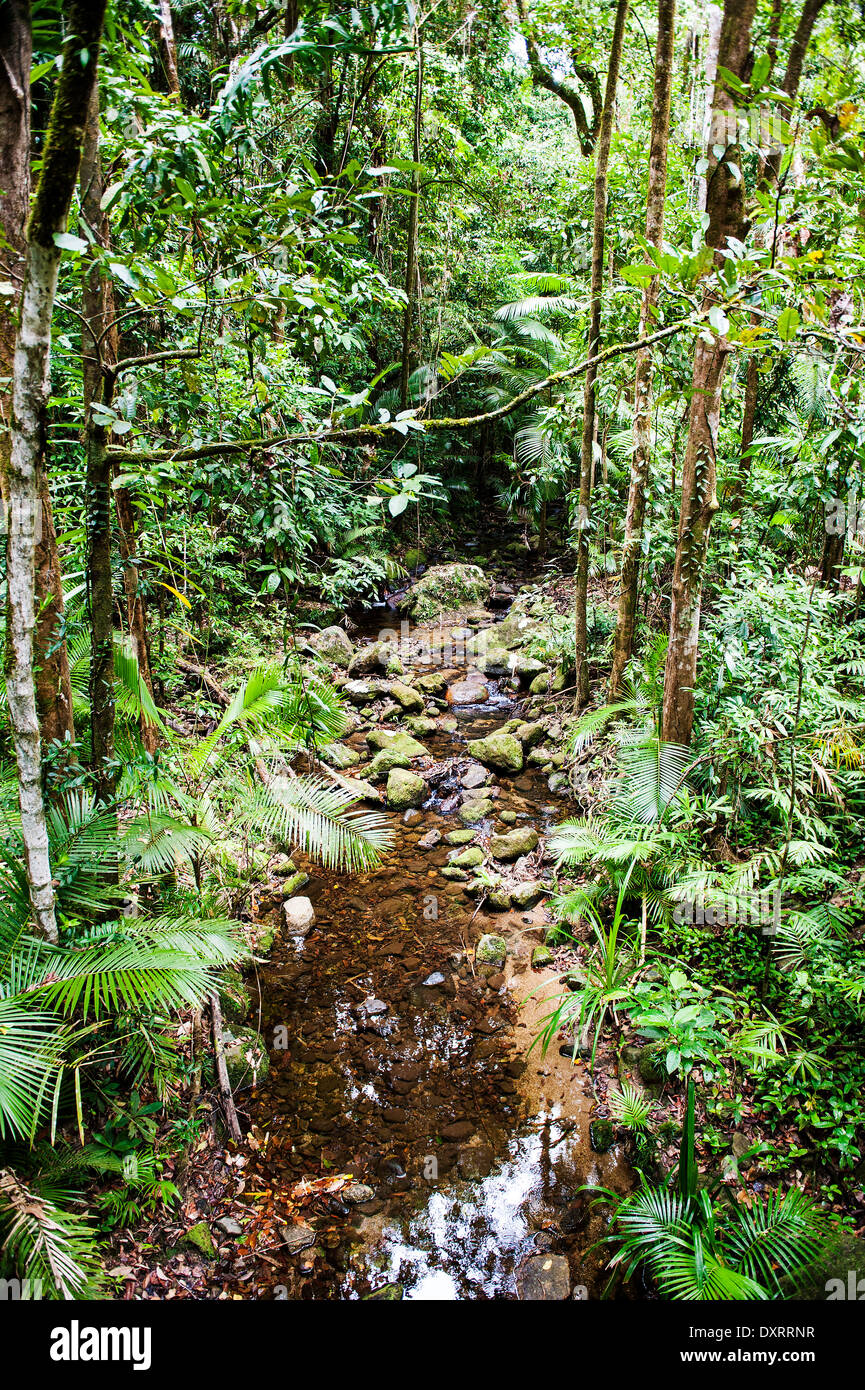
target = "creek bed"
x: 474, y: 1147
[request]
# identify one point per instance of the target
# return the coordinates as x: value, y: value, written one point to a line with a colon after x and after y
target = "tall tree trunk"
x: 602, y: 159
x: 61, y: 157
x: 100, y: 351
x: 168, y: 47
x: 624, y: 638
x: 768, y: 180
x: 712, y: 49
x: 53, y: 686
x: 725, y: 204
x: 411, y: 276
x: 99, y: 355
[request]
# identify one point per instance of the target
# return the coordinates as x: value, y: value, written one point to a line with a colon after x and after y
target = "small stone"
x: 474, y: 776
x: 543, y: 1278
x: 410, y: 700
x: 467, y: 692
x: 199, y: 1236
x: 473, y: 811
x: 460, y: 837
x: 491, y: 950
x: 356, y: 1193
x: 229, y: 1226
x: 498, y: 750
x: 601, y: 1135
x: 299, y: 916
x: 372, y: 1007
x: 541, y: 956
x: 297, y: 1238
x: 459, y: 1130
x: 508, y: 817
x: 293, y: 884
x: 405, y: 789
x: 436, y: 978
x: 526, y: 895
x: 514, y: 844
x: 740, y: 1145
x: 469, y: 858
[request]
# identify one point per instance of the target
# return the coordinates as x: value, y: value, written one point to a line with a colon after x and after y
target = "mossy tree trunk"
x: 30, y: 388
x: 602, y: 159
x: 624, y: 637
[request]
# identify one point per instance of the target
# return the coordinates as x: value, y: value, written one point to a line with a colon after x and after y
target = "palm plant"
x: 607, y: 984
x: 703, y: 1245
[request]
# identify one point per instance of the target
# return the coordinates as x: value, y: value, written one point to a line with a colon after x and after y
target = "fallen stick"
x: 222, y: 1071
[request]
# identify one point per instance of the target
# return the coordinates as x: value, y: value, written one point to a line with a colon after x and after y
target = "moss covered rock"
x: 499, y: 750
x: 405, y: 789
x: 491, y: 950
x: 447, y: 589
x: 514, y: 844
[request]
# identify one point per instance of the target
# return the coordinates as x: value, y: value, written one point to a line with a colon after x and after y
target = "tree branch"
x: 360, y: 433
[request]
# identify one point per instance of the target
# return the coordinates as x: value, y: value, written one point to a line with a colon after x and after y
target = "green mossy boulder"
x: 500, y: 751
x: 514, y: 844
x: 405, y: 789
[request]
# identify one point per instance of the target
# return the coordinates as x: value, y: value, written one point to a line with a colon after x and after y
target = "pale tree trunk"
x: 411, y: 266
x: 602, y: 159
x: 53, y: 686
x: 61, y: 156
x: 768, y: 181
x: 725, y: 204
x: 712, y: 46
x: 169, y: 47
x: 623, y: 644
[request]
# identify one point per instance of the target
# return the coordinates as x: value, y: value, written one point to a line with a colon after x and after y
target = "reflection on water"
x: 466, y: 1238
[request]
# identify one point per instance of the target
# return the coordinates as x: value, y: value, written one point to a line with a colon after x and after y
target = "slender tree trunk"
x: 53, y: 686
x: 411, y: 275
x: 168, y: 47
x: 725, y: 204
x: 769, y: 178
x: 712, y: 49
x: 100, y: 344
x: 602, y: 159
x: 61, y: 157
x: 624, y: 637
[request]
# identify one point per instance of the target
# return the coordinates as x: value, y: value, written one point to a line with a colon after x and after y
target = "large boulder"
x: 410, y: 700
x: 501, y: 751
x: 405, y: 789
x: 447, y: 589
x: 514, y: 844
x: 395, y: 742
x: 376, y: 656
x: 333, y: 645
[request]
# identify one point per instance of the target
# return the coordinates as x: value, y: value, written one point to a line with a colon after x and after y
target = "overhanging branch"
x: 358, y: 434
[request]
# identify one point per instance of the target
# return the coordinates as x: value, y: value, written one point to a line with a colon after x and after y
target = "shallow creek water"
x: 474, y: 1147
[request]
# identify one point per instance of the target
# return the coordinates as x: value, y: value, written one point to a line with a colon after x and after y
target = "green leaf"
x: 67, y: 242
x: 788, y: 324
